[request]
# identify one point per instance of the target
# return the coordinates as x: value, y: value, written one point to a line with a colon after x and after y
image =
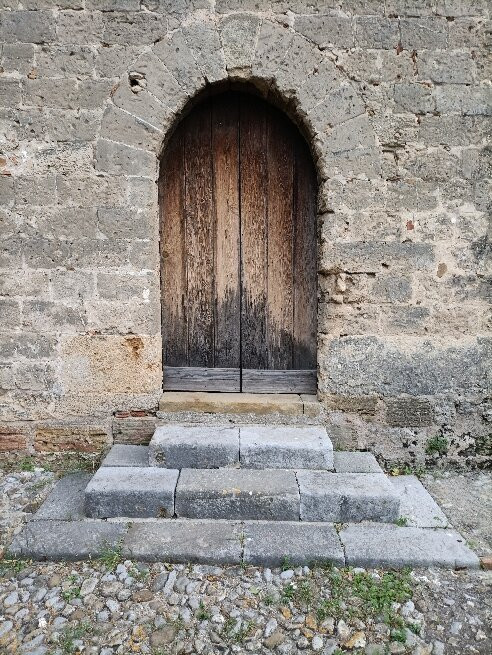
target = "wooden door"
x: 237, y: 195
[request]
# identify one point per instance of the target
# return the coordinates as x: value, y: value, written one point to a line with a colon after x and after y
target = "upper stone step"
x: 250, y: 447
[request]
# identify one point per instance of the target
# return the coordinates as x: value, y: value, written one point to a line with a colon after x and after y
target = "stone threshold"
x: 60, y: 531
x: 285, y: 404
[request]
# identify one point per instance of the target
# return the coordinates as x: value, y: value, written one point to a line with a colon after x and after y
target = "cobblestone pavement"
x: 112, y: 606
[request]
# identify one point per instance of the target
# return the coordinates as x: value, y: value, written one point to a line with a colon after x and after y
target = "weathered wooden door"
x: 238, y: 245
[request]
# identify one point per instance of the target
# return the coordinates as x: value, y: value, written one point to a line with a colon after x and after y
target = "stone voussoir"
x: 136, y: 492
x: 203, y: 446
x: 285, y: 447
x: 346, y: 497
x: 238, y: 494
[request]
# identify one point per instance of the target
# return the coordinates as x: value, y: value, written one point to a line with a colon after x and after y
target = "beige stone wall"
x: 394, y: 99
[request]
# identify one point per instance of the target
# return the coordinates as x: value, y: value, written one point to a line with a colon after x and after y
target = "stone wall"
x: 395, y: 104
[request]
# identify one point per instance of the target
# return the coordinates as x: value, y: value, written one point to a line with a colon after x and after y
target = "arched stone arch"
x: 151, y: 97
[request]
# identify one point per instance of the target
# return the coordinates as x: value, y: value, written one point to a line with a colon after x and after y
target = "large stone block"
x: 83, y: 438
x: 285, y: 404
x: 376, y: 32
x: 201, y: 542
x: 66, y: 500
x: 118, y: 158
x: 285, y: 447
x: 417, y: 506
x: 273, y: 43
x: 127, y: 455
x: 326, y: 30
x: 409, y: 412
x: 26, y: 26
x: 204, y: 41
x: 395, y: 547
x: 200, y: 447
x: 237, y: 494
x: 346, y: 497
x: 120, y: 126
x: 447, y: 67
x: 368, y: 257
x: 271, y: 544
x: 176, y: 55
x: 420, y: 33
x: 238, y: 34
x: 347, y: 462
x: 131, y: 491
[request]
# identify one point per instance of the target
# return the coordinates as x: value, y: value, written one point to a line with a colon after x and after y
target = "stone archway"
x: 162, y: 84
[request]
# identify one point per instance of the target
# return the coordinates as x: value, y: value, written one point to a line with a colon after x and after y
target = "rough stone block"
x: 347, y: 462
x: 409, y: 412
x: 79, y: 27
x: 390, y: 546
x: 203, y: 40
x: 133, y: 430
x: 200, y: 447
x: 131, y: 491
x: 238, y: 35
x: 346, y: 497
x: 175, y: 53
x: 12, y: 438
x: 84, y: 438
x: 270, y: 544
x: 122, y: 455
x: 273, y: 42
x: 26, y: 26
x: 237, y: 494
x: 368, y: 257
x: 118, y: 125
x: 416, y: 503
x: 121, y: 159
x: 66, y: 540
x: 449, y: 67
x: 66, y: 501
x: 286, y: 404
x: 419, y: 33
x: 285, y: 447
x: 201, y: 542
x: 376, y: 32
x: 10, y: 93
x: 326, y: 30
x: 415, y: 98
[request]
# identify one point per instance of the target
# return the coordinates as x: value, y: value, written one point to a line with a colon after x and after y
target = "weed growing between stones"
x: 437, y: 445
x: 110, y: 556
x: 401, y: 521
x: 71, y: 634
x: 11, y: 567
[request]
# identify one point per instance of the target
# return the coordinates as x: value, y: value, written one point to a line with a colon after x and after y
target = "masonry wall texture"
x: 395, y: 101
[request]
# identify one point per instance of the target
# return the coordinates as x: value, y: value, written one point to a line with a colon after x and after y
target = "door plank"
x: 305, y: 260
x: 271, y: 381
x: 200, y: 231
x: 254, y: 353
x: 173, y: 256
x: 193, y: 378
x: 225, y: 152
x: 280, y: 234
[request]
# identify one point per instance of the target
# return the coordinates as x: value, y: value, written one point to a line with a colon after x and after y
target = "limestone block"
x: 118, y: 125
x: 285, y: 404
x: 200, y: 447
x: 176, y: 55
x: 133, y: 28
x: 396, y: 547
x: 238, y: 34
x: 10, y: 93
x: 79, y: 27
x: 67, y: 540
x: 376, y: 32
x: 83, y: 438
x: 47, y: 316
x: 420, y: 33
x: 66, y: 501
x: 65, y: 61
x: 348, y: 462
x: 416, y: 98
x: 324, y: 80
x: 271, y: 544
x: 203, y: 40
x: 131, y: 491
x: 142, y: 105
x: 338, y: 106
x: 409, y: 412
x: 299, y: 61
x: 450, y: 67
x: 237, y: 494
x: 367, y: 257
x: 417, y: 506
x: 200, y: 542
x: 133, y: 430
x: 273, y: 43
x: 18, y: 57
x: 26, y: 26
x: 285, y: 447
x: 123, y: 455
x: 118, y: 158
x: 158, y: 81
x: 346, y: 497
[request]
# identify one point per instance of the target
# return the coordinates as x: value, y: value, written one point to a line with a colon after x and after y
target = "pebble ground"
x: 110, y: 606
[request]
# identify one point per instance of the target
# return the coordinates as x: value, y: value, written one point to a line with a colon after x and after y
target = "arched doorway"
x: 237, y: 193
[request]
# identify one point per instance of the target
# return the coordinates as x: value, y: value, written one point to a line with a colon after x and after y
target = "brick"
x: 83, y: 439
x: 200, y: 447
x: 409, y: 412
x: 133, y: 430
x: 12, y: 439
x: 26, y: 26
x: 131, y: 491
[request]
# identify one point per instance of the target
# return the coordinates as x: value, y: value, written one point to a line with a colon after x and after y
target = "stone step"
x: 260, y: 404
x: 136, y: 492
x: 249, y: 446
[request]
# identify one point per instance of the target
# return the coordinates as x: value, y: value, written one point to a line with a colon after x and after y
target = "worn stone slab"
x: 180, y: 541
x: 356, y: 462
x: 271, y: 543
x: 285, y: 447
x: 390, y: 546
x: 66, y: 500
x: 416, y: 504
x: 202, y: 446
x: 126, y: 455
x: 346, y: 497
x: 238, y: 494
x: 66, y: 540
x: 131, y: 491
x: 286, y: 404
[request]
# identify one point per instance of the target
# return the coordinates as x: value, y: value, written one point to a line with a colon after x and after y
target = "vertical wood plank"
x: 225, y: 153
x: 173, y: 255
x: 253, y: 186
x: 280, y: 191
x: 305, y: 260
x: 200, y: 231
